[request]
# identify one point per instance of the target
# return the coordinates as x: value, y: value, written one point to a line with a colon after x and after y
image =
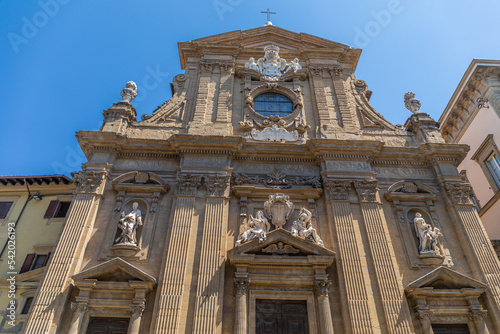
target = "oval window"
x: 273, y: 104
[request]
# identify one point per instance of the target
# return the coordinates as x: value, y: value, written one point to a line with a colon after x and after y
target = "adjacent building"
x: 32, y: 214
x: 472, y: 117
x: 268, y: 196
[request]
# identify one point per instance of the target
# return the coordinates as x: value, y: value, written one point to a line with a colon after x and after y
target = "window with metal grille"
x: 273, y: 104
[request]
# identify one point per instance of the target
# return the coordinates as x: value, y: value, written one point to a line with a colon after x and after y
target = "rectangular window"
x: 450, y: 329
x: 493, y: 164
x: 4, y: 209
x: 27, y: 305
x: 57, y: 209
x: 39, y: 262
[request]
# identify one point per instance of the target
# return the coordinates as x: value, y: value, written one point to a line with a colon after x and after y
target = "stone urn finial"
x: 130, y: 92
x: 411, y: 103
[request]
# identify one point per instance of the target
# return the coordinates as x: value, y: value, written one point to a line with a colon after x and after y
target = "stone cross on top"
x: 268, y: 23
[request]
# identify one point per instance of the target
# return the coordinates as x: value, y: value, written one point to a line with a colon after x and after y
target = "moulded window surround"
x: 25, y: 304
x: 487, y: 156
x: 7, y: 205
x: 273, y: 104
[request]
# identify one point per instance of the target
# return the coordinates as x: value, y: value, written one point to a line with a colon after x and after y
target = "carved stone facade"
x: 316, y: 204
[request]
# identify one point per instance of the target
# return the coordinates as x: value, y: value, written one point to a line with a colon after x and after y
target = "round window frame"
x: 295, y: 97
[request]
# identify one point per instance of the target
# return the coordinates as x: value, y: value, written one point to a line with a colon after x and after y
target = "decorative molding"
x: 216, y: 185
x: 277, y: 179
x: 275, y: 134
x: 88, y: 181
x: 137, y: 309
x: 367, y: 190
x: 241, y: 285
x: 459, y: 193
x: 425, y: 314
x: 187, y: 184
x: 477, y: 315
x: 338, y: 190
x: 321, y: 287
x: 79, y: 307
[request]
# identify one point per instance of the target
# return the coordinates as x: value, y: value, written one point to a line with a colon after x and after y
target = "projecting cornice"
x: 249, y: 42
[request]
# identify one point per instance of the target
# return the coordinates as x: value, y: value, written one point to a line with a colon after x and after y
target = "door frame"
x: 271, y: 294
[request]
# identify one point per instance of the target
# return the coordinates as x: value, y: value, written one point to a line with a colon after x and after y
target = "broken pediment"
x: 140, y: 182
x: 445, y: 279
x: 411, y: 190
x: 115, y: 270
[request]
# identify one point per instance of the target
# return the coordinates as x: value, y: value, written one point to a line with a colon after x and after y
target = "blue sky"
x: 63, y: 62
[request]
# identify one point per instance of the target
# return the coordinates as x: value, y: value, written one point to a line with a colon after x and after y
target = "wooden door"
x: 281, y: 317
x: 108, y: 326
x: 450, y: 329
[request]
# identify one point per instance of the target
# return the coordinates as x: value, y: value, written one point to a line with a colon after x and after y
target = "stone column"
x: 477, y: 315
x: 80, y: 309
x: 210, y: 287
x: 396, y: 311
x: 52, y: 292
x: 325, y: 314
x: 172, y: 284
x: 481, y: 255
x: 359, y: 315
x: 241, y: 311
x: 424, y: 316
x: 136, y: 311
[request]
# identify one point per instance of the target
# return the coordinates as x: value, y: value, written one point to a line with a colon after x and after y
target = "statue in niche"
x: 302, y: 228
x: 427, y: 235
x: 259, y: 227
x: 128, y: 225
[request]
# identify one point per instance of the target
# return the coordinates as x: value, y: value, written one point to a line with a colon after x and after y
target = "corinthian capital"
x: 216, y: 184
x: 321, y: 287
x: 187, y: 184
x: 460, y: 193
x: 88, y: 181
x: 137, y: 309
x: 79, y: 307
x: 337, y: 189
x: 366, y: 190
x: 241, y: 286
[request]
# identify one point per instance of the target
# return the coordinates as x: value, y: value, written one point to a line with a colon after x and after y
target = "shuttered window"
x: 51, y: 209
x: 4, y: 209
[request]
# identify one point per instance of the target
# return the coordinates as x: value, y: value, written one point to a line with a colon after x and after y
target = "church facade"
x: 268, y: 196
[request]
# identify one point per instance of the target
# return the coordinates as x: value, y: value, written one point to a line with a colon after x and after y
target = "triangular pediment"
x: 445, y: 278
x: 115, y: 270
x: 280, y: 242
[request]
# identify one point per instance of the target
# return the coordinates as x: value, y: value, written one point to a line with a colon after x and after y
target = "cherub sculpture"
x: 128, y: 224
x: 302, y: 228
x: 294, y: 65
x: 251, y: 64
x: 259, y: 227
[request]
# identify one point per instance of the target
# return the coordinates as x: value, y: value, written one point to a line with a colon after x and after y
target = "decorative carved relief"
x: 187, y: 184
x: 366, y: 190
x: 338, y: 190
x: 275, y: 134
x: 280, y: 248
x: 277, y: 178
x: 460, y: 193
x: 137, y: 309
x: 321, y: 287
x: 79, y: 307
x: 425, y: 314
x: 241, y: 286
x: 88, y: 181
x: 271, y: 66
x: 477, y: 315
x: 279, y: 208
x: 216, y: 185
x: 302, y: 228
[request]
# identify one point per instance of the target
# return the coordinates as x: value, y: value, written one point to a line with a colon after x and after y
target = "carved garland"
x: 88, y: 181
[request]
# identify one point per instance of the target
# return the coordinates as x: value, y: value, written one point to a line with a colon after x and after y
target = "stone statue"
x: 251, y: 64
x: 302, y: 228
x: 128, y: 224
x: 130, y: 92
x: 411, y: 103
x: 259, y: 227
x: 294, y: 65
x: 427, y: 235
